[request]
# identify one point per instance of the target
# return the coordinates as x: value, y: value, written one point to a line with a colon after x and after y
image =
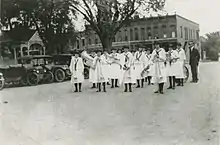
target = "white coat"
x: 180, y: 63
x: 148, y: 62
x: 77, y: 69
x: 159, y: 73
x: 128, y: 75
x: 172, y: 68
x: 139, y: 64
x: 101, y: 71
x: 115, y: 68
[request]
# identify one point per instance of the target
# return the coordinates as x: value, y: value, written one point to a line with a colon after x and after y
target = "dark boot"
x: 149, y: 80
x: 99, y: 87
x: 161, y: 88
x: 130, y: 89
x: 116, y: 83
x: 80, y: 86
x: 178, y: 82
x: 126, y: 88
x: 142, y: 83
x: 138, y: 84
x: 104, y: 87
x: 182, y: 82
x: 170, y: 80
x: 174, y: 82
x: 112, y: 80
x: 93, y: 86
x: 76, y: 87
x: 145, y: 79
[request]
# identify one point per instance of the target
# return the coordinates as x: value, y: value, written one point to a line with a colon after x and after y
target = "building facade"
x: 168, y: 29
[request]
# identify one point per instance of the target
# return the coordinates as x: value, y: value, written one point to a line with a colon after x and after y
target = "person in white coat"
x: 139, y: 62
x: 115, y: 68
x: 160, y: 75
x: 148, y: 63
x: 77, y: 71
x: 172, y: 67
x: 128, y: 71
x: 91, y: 72
x: 101, y: 72
x: 180, y: 62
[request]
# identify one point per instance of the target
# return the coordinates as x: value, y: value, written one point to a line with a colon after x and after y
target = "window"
x: 181, y: 32
x: 119, y: 36
x: 83, y: 42
x: 173, y: 31
x: 143, y: 33
x: 197, y: 34
x: 96, y: 41
x: 164, y: 29
x: 77, y: 44
x: 126, y: 35
x: 156, y: 33
x: 186, y: 33
x: 131, y: 34
x: 90, y: 41
x: 136, y: 33
x: 149, y: 32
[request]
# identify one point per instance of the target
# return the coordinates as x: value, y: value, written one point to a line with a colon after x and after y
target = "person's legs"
x: 116, y: 83
x: 126, y: 87
x: 170, y: 81
x: 130, y: 85
x: 112, y: 81
x: 174, y: 82
x: 104, y: 86
x: 80, y: 86
x: 76, y: 87
x: 138, y: 83
x: 142, y: 83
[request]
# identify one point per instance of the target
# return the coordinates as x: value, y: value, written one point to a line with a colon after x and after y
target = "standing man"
x: 128, y: 76
x: 148, y: 74
x: 115, y: 67
x: 139, y: 61
x: 194, y: 61
x: 160, y: 75
x: 77, y: 69
x: 180, y: 62
x: 172, y: 66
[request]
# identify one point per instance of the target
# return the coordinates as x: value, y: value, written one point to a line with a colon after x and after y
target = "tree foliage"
x: 51, y: 18
x: 212, y: 45
x: 107, y: 17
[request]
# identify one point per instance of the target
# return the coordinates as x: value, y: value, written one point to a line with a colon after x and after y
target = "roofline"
x: 187, y: 19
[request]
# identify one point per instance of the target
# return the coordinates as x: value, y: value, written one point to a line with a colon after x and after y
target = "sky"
x: 205, y: 12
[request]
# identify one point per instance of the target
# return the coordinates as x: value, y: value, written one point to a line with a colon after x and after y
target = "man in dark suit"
x: 194, y: 61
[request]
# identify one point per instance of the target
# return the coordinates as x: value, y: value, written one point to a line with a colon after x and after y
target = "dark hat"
x: 156, y: 43
x: 99, y: 50
x: 113, y: 48
x: 125, y: 47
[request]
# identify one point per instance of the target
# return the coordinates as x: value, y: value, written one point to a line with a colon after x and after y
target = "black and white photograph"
x: 109, y: 72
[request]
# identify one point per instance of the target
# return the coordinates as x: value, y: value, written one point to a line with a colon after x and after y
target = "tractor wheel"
x: 59, y: 75
x: 49, y: 77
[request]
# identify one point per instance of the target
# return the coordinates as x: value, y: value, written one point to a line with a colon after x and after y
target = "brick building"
x: 144, y: 31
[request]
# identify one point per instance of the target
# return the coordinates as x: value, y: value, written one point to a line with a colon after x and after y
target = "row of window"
x: 189, y: 33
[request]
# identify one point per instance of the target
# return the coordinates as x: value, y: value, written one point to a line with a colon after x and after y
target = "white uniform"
x: 128, y: 75
x: 139, y: 64
x: 180, y: 62
x: 159, y: 74
x: 172, y: 68
x: 77, y: 69
x: 101, y: 72
x: 115, y: 70
x: 91, y: 75
x: 148, y: 62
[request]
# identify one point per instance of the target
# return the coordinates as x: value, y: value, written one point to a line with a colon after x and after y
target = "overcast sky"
x: 204, y: 12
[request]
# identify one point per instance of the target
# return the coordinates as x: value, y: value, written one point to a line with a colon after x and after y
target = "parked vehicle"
x: 2, y: 81
x: 61, y: 69
x: 41, y: 63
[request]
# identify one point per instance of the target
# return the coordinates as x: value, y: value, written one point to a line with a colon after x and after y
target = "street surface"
x: 52, y: 115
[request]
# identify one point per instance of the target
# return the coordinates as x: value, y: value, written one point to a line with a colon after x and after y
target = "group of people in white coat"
x: 127, y: 68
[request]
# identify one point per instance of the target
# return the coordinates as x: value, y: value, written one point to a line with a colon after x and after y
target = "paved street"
x: 52, y: 115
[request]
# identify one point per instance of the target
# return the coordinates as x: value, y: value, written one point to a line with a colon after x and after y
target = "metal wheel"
x: 24, y: 82
x: 186, y: 74
x: 2, y: 84
x: 59, y: 75
x: 32, y: 79
x: 49, y: 77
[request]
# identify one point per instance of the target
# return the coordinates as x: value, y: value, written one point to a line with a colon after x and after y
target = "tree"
x: 212, y: 45
x: 51, y: 18
x: 107, y: 17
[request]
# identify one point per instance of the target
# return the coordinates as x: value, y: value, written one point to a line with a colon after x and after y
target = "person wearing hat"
x: 139, y: 62
x: 159, y: 75
x: 77, y: 71
x: 172, y: 66
x: 100, y: 72
x: 115, y: 67
x: 180, y: 63
x: 127, y: 76
x: 194, y: 61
